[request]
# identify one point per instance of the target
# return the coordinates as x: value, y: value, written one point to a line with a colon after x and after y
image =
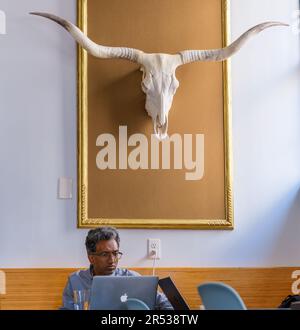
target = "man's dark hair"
x: 100, y: 234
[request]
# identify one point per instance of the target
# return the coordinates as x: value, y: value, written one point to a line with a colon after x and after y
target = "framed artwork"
x: 126, y: 177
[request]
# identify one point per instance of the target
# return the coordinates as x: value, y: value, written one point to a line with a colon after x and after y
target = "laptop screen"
x: 169, y: 289
x: 111, y: 292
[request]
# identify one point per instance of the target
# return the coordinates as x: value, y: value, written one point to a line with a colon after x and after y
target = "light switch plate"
x: 65, y: 188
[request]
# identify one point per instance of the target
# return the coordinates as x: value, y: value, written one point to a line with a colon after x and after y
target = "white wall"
x: 38, y: 145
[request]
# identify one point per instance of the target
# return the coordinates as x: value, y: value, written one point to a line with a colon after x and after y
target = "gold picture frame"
x: 85, y: 220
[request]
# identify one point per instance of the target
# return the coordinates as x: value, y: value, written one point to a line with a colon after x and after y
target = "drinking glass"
x: 81, y: 299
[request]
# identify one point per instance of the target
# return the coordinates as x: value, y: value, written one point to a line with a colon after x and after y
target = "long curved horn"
x: 91, y: 47
x: 221, y: 54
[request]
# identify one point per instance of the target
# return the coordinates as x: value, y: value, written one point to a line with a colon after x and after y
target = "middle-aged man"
x: 102, y: 245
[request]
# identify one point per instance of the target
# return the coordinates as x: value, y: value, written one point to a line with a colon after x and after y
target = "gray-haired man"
x: 102, y: 245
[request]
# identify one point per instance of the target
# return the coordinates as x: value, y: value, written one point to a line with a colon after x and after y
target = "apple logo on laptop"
x: 124, y: 298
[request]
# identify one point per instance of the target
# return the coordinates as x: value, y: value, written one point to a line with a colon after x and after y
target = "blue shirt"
x: 82, y: 279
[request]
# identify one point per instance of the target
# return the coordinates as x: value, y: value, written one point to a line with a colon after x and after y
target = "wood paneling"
x: 259, y: 287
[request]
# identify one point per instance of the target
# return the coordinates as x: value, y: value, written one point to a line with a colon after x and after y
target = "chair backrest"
x: 136, y: 304
x: 217, y: 295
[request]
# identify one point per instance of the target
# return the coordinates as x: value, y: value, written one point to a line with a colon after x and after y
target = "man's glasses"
x: 117, y: 255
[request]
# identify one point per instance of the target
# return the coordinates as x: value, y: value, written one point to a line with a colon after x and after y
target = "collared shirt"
x: 82, y: 279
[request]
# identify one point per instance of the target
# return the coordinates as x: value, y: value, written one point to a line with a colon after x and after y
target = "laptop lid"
x: 169, y: 289
x: 110, y: 292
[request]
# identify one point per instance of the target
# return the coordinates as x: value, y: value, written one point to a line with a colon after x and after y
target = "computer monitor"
x: 175, y: 298
x: 111, y: 292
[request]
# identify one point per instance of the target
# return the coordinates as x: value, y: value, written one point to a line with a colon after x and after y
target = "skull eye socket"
x: 145, y: 88
x: 146, y: 82
x: 174, y: 85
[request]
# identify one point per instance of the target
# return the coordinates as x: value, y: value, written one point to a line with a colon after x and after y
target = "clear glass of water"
x: 82, y: 299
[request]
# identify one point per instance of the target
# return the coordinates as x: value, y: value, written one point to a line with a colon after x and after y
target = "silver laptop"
x: 111, y: 292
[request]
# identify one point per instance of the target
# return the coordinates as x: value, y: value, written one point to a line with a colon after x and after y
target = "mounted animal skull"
x: 159, y: 82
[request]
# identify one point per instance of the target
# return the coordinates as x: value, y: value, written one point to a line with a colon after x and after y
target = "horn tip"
x: 281, y: 23
x: 37, y: 13
x: 65, y: 24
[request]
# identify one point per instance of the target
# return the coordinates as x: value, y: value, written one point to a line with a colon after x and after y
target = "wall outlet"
x: 154, y: 248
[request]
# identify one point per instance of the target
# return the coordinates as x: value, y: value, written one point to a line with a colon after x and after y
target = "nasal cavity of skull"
x: 161, y: 119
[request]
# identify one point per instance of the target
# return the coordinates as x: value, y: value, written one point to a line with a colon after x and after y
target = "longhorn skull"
x: 159, y: 82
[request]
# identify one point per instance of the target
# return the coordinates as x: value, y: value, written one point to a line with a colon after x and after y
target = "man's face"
x: 105, y: 263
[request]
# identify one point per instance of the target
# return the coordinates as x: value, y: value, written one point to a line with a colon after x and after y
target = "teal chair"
x: 217, y: 295
x: 135, y: 304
